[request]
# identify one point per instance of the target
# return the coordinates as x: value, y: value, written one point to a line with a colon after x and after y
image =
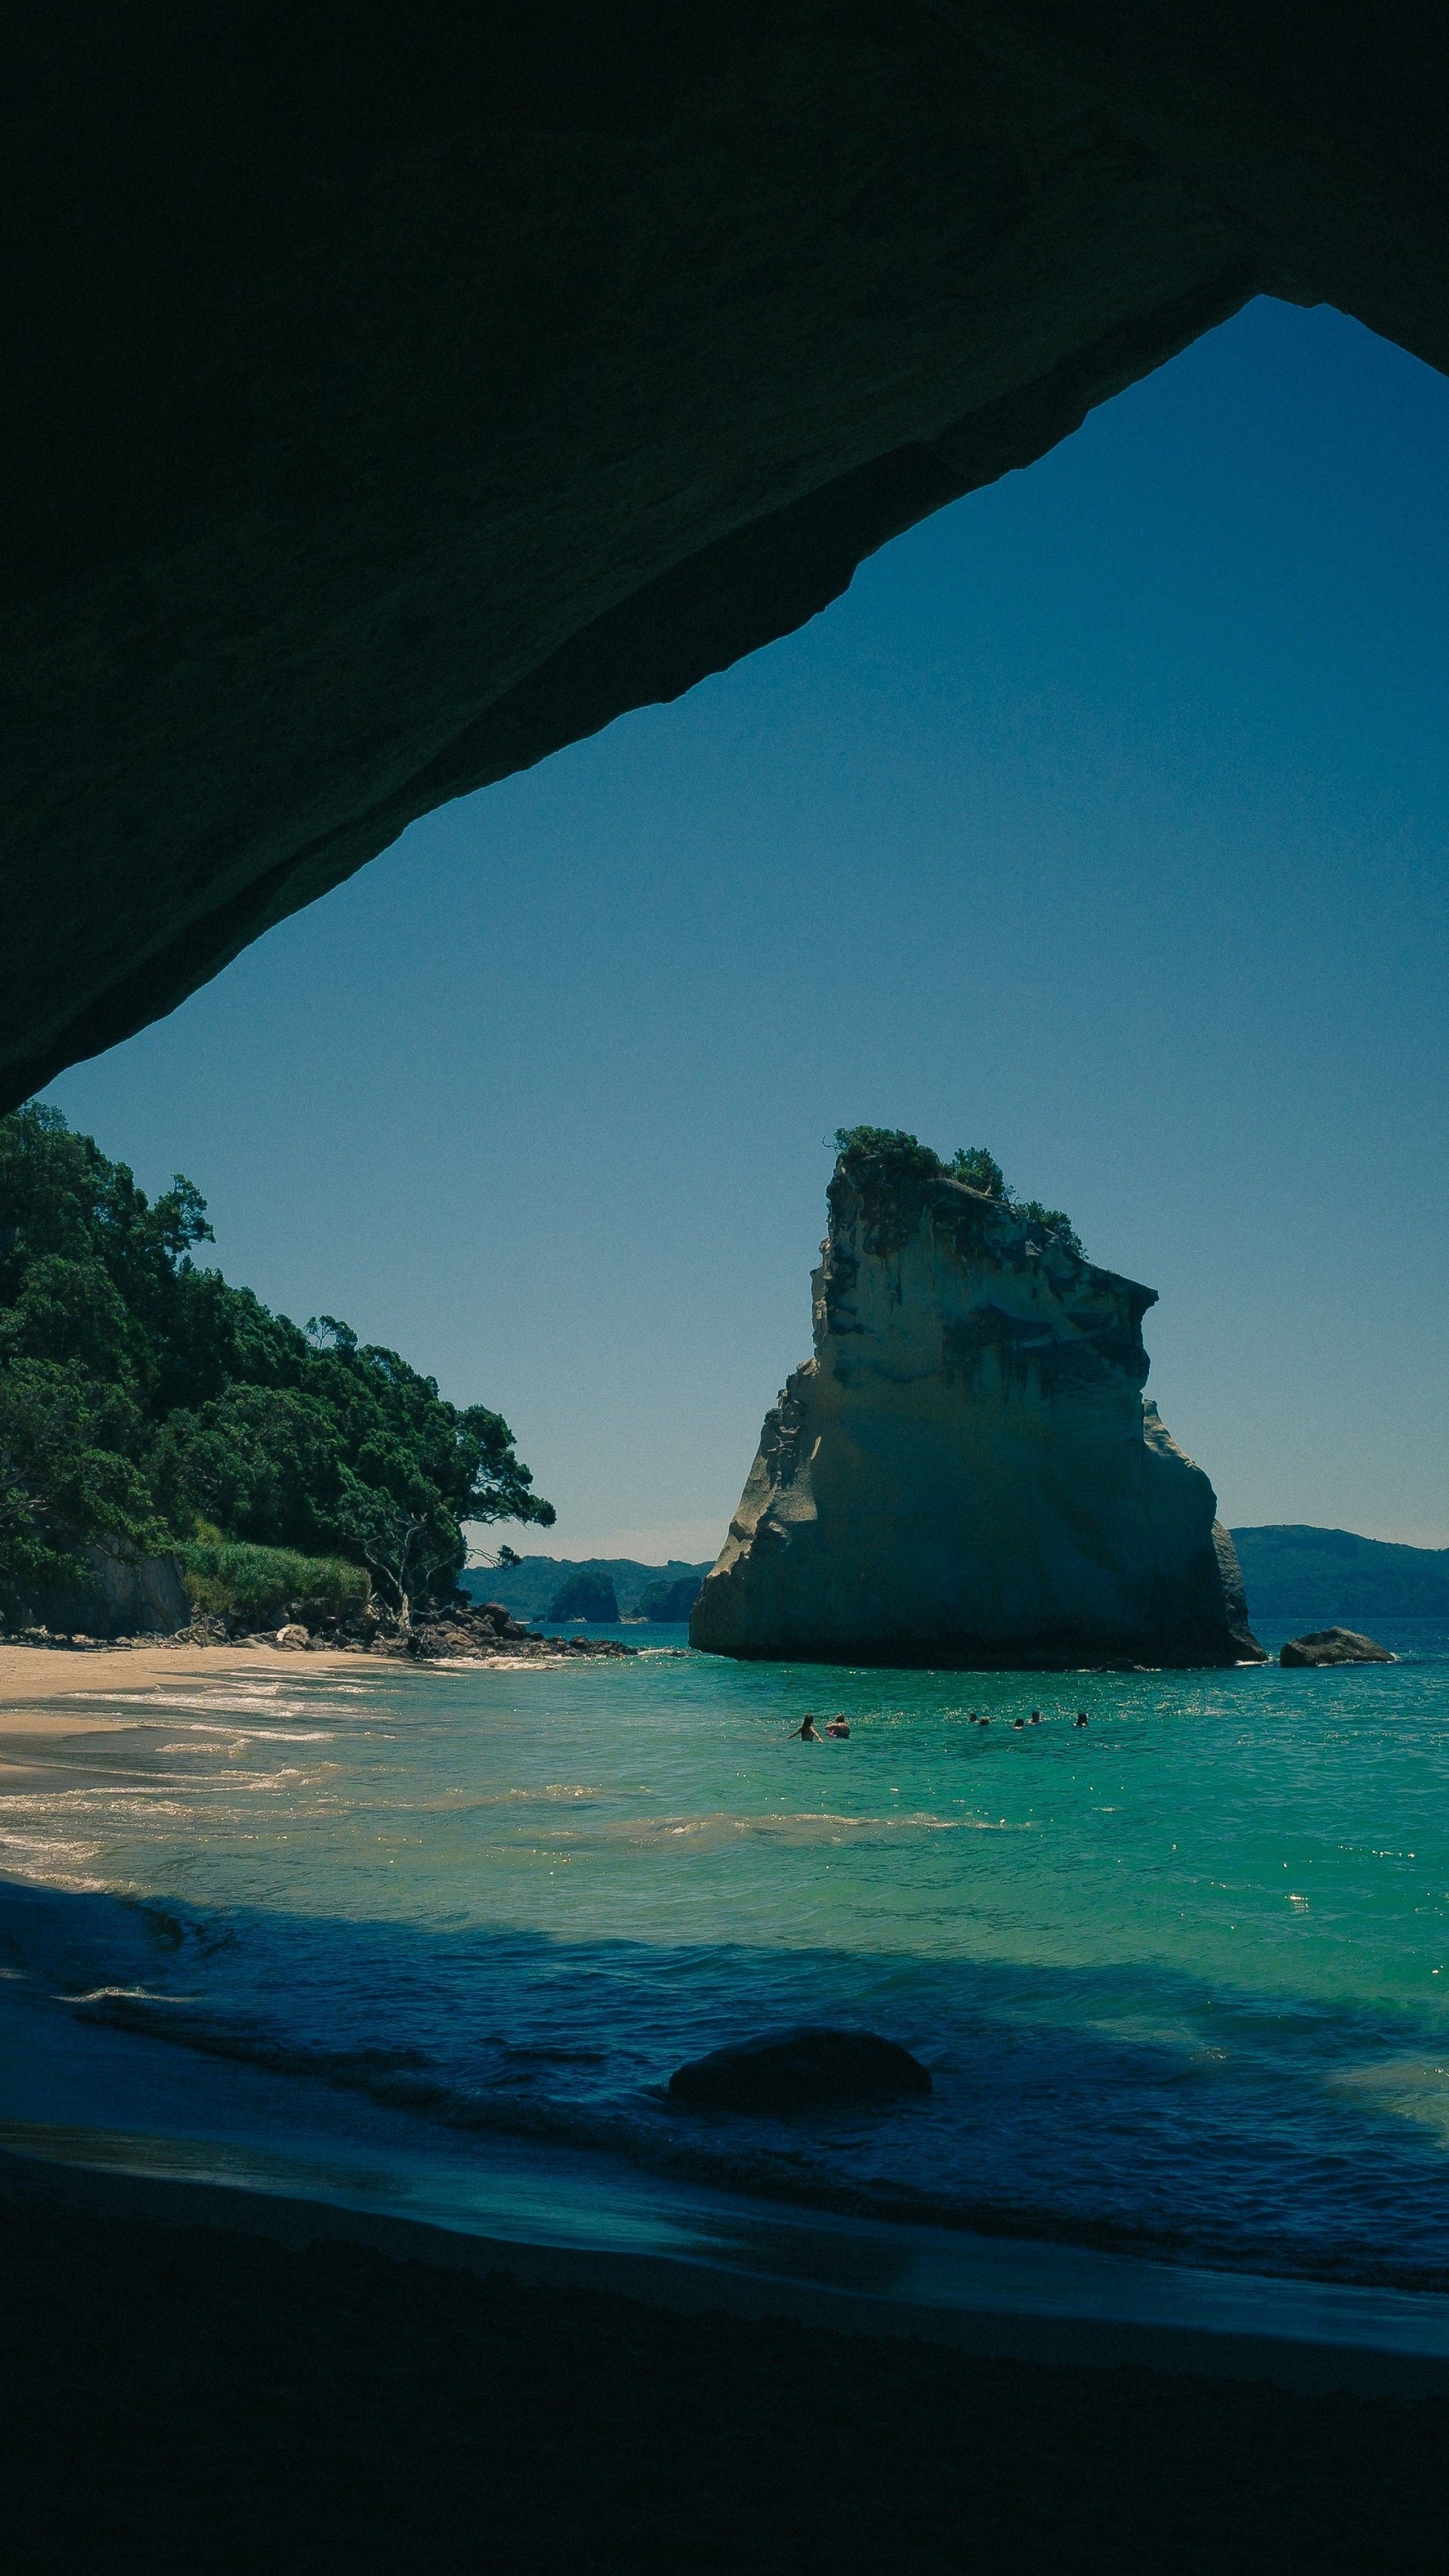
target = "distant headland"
x: 1290, y: 1571
x: 1296, y: 1572
x: 966, y: 1473
x: 592, y: 1588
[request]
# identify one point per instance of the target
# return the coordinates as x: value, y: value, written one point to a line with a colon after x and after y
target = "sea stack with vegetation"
x: 169, y: 1447
x: 966, y: 1473
x: 586, y: 1596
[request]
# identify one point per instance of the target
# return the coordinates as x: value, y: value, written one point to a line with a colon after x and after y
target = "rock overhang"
x: 395, y: 399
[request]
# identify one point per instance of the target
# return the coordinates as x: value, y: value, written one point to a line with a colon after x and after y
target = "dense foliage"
x: 145, y: 1399
x: 233, y: 1578
x: 972, y: 1164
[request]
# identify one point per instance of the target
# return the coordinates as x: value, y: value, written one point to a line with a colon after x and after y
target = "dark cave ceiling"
x: 395, y: 397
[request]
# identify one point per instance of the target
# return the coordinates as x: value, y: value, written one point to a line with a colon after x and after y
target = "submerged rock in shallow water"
x: 1335, y: 1646
x: 797, y: 2068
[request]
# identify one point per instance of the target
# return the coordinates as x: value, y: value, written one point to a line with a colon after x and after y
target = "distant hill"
x: 530, y: 1588
x: 1331, y: 1577
x: 586, y: 1595
x: 1323, y: 1577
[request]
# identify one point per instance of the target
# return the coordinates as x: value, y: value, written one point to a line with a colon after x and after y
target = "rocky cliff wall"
x: 119, y: 1595
x: 966, y: 1473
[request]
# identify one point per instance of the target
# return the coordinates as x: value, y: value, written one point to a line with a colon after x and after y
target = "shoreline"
x: 130, y: 2109
x: 991, y: 2313
x: 188, y: 2380
x: 31, y: 1674
x: 102, y: 2110
x: 690, y: 2286
x: 41, y: 1674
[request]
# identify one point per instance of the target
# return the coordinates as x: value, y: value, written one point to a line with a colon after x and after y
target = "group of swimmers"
x: 809, y: 1732
x: 1035, y: 1719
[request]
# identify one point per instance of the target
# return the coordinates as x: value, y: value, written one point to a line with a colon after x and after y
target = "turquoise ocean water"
x: 1181, y: 1976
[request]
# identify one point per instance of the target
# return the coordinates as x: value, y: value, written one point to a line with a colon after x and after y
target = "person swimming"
x: 806, y: 1734
x: 1080, y: 1718
x: 839, y: 1724
x: 1036, y: 1717
x: 1018, y: 1721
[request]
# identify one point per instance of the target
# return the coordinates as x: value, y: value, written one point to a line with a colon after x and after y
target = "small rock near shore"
x: 1335, y: 1646
x: 294, y: 1634
x: 797, y: 2069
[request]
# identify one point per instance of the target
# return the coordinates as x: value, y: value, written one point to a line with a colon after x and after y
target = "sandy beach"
x: 34, y: 1675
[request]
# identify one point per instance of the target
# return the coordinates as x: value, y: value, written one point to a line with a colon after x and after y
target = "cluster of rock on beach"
x: 480, y: 1630
x: 461, y: 1629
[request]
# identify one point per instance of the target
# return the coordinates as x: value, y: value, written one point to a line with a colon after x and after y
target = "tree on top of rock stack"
x: 873, y: 1152
x: 587, y: 1595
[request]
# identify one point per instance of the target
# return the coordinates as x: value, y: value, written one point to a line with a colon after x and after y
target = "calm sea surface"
x: 1181, y: 1976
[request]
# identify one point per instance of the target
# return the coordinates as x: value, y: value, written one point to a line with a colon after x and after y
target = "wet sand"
x: 34, y: 1677
x: 179, y: 2395
x: 39, y: 1684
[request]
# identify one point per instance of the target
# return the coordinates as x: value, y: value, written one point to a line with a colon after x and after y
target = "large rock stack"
x: 966, y: 1473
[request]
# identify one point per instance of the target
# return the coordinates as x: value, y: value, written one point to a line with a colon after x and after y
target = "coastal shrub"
x: 892, y: 1147
x: 1052, y: 1221
x: 979, y: 1170
x: 233, y: 1579
x: 142, y: 1396
x: 879, y: 1160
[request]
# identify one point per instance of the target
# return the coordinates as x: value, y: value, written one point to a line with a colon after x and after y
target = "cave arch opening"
x: 1101, y: 815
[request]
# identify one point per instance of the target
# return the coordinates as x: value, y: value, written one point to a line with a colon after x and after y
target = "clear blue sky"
x: 1103, y: 822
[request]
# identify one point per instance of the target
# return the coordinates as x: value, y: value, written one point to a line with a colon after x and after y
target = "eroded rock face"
x: 121, y: 1595
x: 966, y: 1474
x: 394, y: 396
x: 1334, y: 1646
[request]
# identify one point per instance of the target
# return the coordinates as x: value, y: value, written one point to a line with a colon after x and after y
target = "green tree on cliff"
x: 141, y: 1396
x: 907, y: 1157
x: 979, y: 1170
